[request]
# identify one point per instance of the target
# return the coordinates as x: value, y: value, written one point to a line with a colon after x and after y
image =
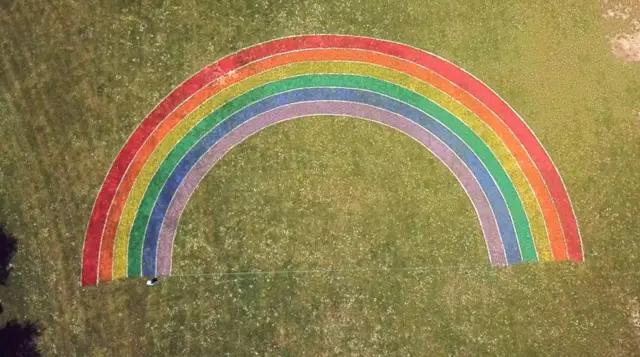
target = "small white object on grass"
x: 151, y: 282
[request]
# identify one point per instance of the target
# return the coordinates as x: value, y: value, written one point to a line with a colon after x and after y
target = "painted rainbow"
x: 521, y: 202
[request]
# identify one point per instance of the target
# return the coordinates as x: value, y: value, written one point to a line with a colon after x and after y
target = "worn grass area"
x: 76, y: 77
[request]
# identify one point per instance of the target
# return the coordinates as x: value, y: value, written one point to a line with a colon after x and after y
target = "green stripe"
x: 402, y: 94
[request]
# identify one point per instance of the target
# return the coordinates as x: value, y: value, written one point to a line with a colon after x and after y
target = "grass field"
x: 77, y: 77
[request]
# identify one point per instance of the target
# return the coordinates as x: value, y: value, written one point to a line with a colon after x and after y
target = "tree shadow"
x: 19, y: 339
x: 8, y: 246
x: 16, y: 339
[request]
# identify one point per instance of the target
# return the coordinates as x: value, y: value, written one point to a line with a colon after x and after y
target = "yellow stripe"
x: 509, y: 163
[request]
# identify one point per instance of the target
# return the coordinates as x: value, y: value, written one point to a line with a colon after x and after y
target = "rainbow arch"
x: 521, y: 202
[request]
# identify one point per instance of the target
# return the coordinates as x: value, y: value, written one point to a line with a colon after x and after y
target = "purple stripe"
x: 439, y: 149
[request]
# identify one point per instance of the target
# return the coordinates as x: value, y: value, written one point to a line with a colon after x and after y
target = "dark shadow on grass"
x: 16, y: 339
x: 19, y: 339
x: 8, y: 245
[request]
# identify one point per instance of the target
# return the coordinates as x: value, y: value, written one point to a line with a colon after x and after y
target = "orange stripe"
x: 510, y: 141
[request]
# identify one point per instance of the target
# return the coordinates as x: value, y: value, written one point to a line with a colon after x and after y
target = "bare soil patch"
x: 624, y: 17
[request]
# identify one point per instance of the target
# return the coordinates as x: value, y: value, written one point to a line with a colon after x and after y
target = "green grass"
x: 76, y: 77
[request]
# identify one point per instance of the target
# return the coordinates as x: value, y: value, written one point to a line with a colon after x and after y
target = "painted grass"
x: 321, y: 193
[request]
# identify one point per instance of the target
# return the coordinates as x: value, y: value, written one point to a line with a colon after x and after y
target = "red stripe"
x: 540, y: 158
x: 232, y: 62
